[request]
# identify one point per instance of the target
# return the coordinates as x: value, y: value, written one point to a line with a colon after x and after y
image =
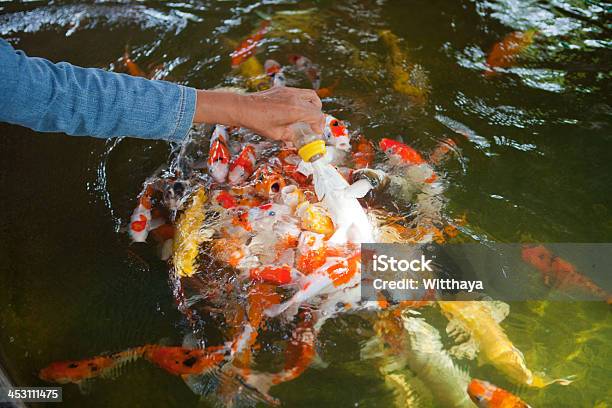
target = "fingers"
x: 316, y: 120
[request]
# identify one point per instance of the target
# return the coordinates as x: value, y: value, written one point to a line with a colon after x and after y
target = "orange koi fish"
x: 77, y: 371
x: 336, y: 134
x: 184, y: 361
x: 487, y: 395
x: 131, y: 67
x: 328, y: 90
x: 364, y: 152
x: 441, y: 151
x: 219, y: 155
x: 407, y: 155
x: 306, y: 66
x: 559, y: 273
x: 268, y: 180
x: 278, y: 275
x: 242, y: 166
x: 247, y: 47
x: 504, y: 53
x: 398, y: 149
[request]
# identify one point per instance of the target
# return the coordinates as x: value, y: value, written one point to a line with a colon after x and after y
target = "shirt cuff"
x: 185, y: 114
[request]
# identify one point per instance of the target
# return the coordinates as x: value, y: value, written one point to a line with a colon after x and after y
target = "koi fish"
x: 487, y: 395
x: 504, y: 53
x: 278, y: 275
x: 314, y: 218
x: 400, y: 153
x: 403, y: 341
x: 219, y: 154
x: 247, y: 47
x: 275, y: 72
x: 242, y: 166
x: 363, y: 152
x: 328, y: 91
x: 184, y: 361
x: 336, y: 272
x: 141, y: 219
x: 305, y: 65
x: 336, y: 134
x: 79, y: 371
x: 404, y: 153
x: 190, y: 234
x: 268, y: 180
x: 559, y: 273
x: 479, y: 321
x: 408, y: 78
x: 300, y: 353
x: 131, y: 67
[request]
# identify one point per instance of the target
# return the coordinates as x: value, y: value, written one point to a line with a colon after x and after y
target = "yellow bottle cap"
x: 311, y: 149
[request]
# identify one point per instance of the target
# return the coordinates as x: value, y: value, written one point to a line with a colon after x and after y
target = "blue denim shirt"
x: 49, y: 97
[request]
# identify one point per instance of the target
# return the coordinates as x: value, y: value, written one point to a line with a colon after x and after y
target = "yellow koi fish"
x: 190, y: 235
x: 480, y: 321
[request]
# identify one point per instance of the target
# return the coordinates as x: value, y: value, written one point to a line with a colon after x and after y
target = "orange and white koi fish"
x: 78, y: 371
x: 241, y: 167
x: 141, y: 219
x: 219, y: 155
x: 505, y: 52
x: 274, y: 71
x: 487, y: 395
x: 335, y: 273
x: 400, y: 153
x: 336, y: 134
x: 268, y: 180
x: 403, y: 152
x: 306, y: 66
x: 559, y: 273
x: 248, y: 46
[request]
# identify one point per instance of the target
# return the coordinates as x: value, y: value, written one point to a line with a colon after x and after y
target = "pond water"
x: 535, y: 164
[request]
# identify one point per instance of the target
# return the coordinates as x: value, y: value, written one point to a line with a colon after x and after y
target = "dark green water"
x: 71, y: 285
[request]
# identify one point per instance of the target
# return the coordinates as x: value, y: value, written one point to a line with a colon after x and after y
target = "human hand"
x: 270, y: 113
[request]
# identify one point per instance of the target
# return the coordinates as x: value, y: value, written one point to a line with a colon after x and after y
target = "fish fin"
x: 466, y: 350
x: 372, y: 348
x: 156, y: 223
x: 498, y: 309
x: 190, y: 341
x: 85, y: 386
x: 358, y: 189
x: 318, y: 362
x: 540, y: 381
x: 404, y: 392
x: 226, y: 386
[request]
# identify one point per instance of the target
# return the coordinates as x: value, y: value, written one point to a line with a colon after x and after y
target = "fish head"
x: 336, y: 133
x: 292, y: 196
x: 315, y: 218
x: 272, y: 67
x: 481, y: 393
x: 268, y: 181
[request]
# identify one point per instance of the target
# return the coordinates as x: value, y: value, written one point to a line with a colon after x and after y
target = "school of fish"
x: 251, y: 241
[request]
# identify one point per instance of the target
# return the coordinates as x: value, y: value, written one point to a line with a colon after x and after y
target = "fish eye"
x: 275, y: 187
x: 271, y: 213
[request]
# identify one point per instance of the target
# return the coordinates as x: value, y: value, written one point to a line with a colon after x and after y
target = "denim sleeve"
x: 49, y: 97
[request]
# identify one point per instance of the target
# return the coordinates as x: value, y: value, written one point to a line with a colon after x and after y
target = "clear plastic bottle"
x: 311, y: 149
x: 311, y: 146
